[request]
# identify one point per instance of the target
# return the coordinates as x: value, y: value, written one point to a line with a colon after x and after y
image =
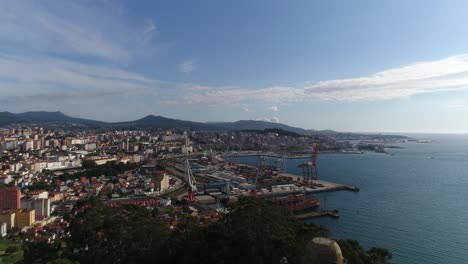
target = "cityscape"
x: 226, y: 132
x: 47, y: 170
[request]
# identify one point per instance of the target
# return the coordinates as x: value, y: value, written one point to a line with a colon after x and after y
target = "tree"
x: 123, y: 234
x: 354, y: 253
x: 11, y: 249
x: 40, y: 252
x: 379, y: 255
x: 255, y: 231
x: 88, y: 164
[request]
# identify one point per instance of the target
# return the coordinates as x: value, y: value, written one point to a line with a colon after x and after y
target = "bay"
x: 414, y: 202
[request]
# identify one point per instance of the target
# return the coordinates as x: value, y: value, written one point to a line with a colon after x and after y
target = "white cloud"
x: 39, y: 77
x: 186, y: 66
x: 150, y: 27
x: 423, y: 77
x: 216, y: 95
x: 273, y: 108
x: 97, y: 30
x: 274, y: 119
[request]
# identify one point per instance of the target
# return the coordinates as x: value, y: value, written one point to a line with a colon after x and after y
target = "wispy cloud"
x: 266, y: 119
x: 216, y: 95
x: 273, y: 108
x: 95, y: 31
x: 43, y: 76
x: 150, y: 27
x: 187, y: 66
x: 422, y: 77
x: 274, y: 119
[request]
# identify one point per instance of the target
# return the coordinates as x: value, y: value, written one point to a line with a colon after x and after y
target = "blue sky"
x: 380, y: 66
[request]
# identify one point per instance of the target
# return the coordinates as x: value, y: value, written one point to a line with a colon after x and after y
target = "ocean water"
x: 415, y: 202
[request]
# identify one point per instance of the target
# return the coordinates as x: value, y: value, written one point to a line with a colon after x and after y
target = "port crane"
x: 192, y: 189
x: 261, y: 163
x: 309, y: 168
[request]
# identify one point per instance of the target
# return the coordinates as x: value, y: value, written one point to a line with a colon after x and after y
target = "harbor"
x: 216, y: 180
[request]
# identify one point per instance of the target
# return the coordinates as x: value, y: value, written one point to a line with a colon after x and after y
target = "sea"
x: 413, y: 201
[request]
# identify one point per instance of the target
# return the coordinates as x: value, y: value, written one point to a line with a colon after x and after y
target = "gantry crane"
x: 309, y: 168
x: 192, y: 189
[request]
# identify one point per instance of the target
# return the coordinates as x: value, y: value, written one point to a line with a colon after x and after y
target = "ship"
x: 299, y: 202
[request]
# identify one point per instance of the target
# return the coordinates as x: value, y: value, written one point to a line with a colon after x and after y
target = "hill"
x: 148, y: 122
x: 42, y: 117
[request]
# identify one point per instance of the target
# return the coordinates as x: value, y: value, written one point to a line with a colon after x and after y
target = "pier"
x: 309, y: 215
x: 321, y: 185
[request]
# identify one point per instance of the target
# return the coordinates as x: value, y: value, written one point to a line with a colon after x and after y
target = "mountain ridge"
x: 148, y: 122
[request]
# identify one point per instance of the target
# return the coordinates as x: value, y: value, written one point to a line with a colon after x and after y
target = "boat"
x: 299, y: 202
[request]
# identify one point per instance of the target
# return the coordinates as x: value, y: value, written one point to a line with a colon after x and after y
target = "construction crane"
x: 192, y: 189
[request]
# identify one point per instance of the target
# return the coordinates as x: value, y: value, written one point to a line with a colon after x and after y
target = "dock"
x: 309, y: 215
x: 321, y: 185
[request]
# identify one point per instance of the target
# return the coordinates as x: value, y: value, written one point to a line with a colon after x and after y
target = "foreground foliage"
x: 255, y: 231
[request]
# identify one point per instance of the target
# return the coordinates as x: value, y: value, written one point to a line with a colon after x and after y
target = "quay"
x: 320, y: 186
x: 286, y: 156
x: 308, y: 215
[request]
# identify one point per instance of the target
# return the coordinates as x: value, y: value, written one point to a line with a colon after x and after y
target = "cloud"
x: 418, y: 78
x: 150, y: 27
x: 43, y: 77
x: 273, y: 108
x: 274, y: 119
x: 423, y: 77
x: 217, y: 95
x: 186, y: 66
x: 96, y: 30
x: 246, y: 108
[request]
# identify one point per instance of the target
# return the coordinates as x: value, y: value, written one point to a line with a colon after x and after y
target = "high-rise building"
x: 10, y: 198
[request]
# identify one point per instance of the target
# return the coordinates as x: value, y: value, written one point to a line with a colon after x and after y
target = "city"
x: 46, y: 171
x: 226, y: 132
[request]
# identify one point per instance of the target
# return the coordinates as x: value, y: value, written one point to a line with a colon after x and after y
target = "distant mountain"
x: 322, y: 132
x: 278, y: 131
x: 148, y: 122
x: 152, y: 121
x: 258, y: 125
x: 41, y: 117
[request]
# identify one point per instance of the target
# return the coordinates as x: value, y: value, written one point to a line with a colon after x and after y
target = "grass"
x: 10, y: 258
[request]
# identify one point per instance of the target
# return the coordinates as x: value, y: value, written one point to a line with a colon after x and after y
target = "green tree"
x: 354, y: 253
x: 88, y: 164
x: 11, y: 249
x: 255, y: 231
x: 40, y: 252
x: 379, y: 255
x: 123, y: 234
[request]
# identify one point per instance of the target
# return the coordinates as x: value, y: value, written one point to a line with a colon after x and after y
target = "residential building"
x: 25, y: 217
x: 161, y: 181
x: 10, y: 198
x: 8, y: 217
x: 3, y: 229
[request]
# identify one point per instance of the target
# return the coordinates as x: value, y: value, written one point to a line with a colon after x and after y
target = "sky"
x: 360, y: 66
